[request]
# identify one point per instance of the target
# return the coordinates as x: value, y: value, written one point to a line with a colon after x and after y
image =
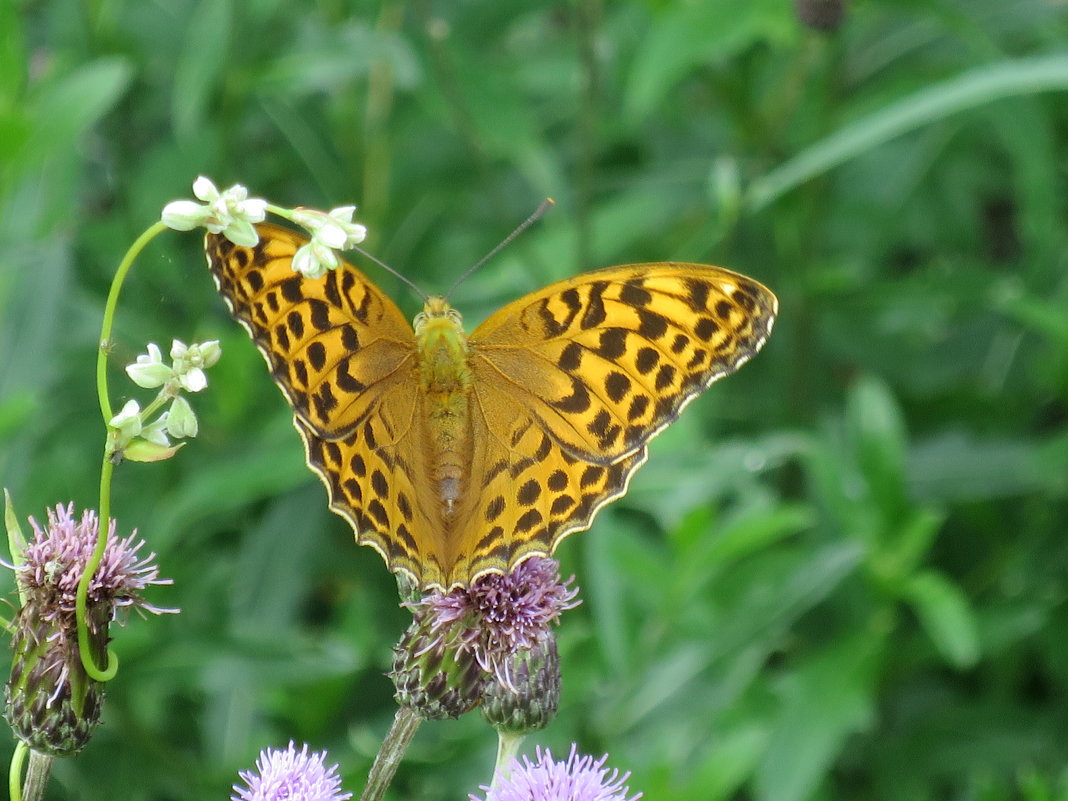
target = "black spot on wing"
x: 697, y: 294
x: 282, y: 336
x: 617, y: 385
x: 651, y: 325
x: 705, y: 328
x: 494, y: 508
x: 665, y: 377
x: 379, y: 484
x: 647, y: 360
x: 595, y: 313
x: 291, y: 289
x: 560, y: 505
x: 612, y: 344
x: 320, y: 314
x: 571, y: 358
x: 350, y: 340
x: 529, y: 493
x: 296, y: 324
x: 633, y: 294
x: 557, y: 481
x: 638, y: 407
x: 578, y: 401
x: 317, y: 355
x: 528, y: 520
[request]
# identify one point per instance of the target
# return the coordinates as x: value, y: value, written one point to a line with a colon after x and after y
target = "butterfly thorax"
x: 446, y: 381
x: 442, y: 346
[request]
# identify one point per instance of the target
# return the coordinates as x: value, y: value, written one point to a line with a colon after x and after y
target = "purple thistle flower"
x: 52, y: 704
x: 290, y: 775
x: 501, y: 614
x: 53, y: 563
x: 491, y: 642
x: 580, y: 778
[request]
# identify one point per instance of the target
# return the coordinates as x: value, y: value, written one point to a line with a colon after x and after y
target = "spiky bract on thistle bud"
x: 50, y: 701
x: 501, y: 624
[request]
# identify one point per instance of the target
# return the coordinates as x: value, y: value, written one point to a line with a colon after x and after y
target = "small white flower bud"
x: 181, y: 420
x: 149, y: 371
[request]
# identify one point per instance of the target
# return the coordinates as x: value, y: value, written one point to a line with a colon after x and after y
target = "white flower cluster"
x: 135, y: 433
x: 233, y: 214
x: 330, y: 231
x: 230, y: 213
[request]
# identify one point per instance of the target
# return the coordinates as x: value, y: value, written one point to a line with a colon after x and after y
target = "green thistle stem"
x: 104, y: 509
x: 37, y: 774
x: 507, y: 748
x: 396, y: 742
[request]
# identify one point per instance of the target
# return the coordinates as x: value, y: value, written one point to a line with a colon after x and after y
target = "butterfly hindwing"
x: 527, y: 493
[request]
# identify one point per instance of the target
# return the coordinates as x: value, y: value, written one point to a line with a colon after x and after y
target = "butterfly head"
x: 437, y: 316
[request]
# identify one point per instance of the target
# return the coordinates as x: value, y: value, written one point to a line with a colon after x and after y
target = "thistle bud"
x: 530, y: 696
x: 51, y: 703
x: 433, y: 674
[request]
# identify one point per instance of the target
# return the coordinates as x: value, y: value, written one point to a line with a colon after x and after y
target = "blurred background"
x: 842, y: 573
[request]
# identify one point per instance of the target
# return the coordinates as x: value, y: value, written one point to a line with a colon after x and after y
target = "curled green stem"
x: 104, y: 509
x: 14, y: 776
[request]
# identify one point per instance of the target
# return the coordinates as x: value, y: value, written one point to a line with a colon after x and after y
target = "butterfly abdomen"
x: 445, y: 375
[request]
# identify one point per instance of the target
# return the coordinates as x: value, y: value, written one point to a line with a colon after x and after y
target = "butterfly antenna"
x: 422, y: 295
x: 546, y: 204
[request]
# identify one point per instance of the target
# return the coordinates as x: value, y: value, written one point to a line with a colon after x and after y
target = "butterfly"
x: 453, y: 455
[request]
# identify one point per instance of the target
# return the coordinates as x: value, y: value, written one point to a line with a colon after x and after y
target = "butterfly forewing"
x: 343, y: 355
x: 607, y: 359
x: 333, y: 344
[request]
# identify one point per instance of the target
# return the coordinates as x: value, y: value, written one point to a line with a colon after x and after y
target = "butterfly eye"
x: 454, y: 317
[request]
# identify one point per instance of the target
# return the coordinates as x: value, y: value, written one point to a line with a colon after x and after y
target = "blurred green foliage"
x: 842, y: 574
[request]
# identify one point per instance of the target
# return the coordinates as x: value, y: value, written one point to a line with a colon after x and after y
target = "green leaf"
x: 66, y: 108
x: 947, y: 617
x: 879, y: 436
x: 829, y: 697
x: 200, y: 65
x: 961, y: 465
x: 932, y: 103
x: 683, y: 37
